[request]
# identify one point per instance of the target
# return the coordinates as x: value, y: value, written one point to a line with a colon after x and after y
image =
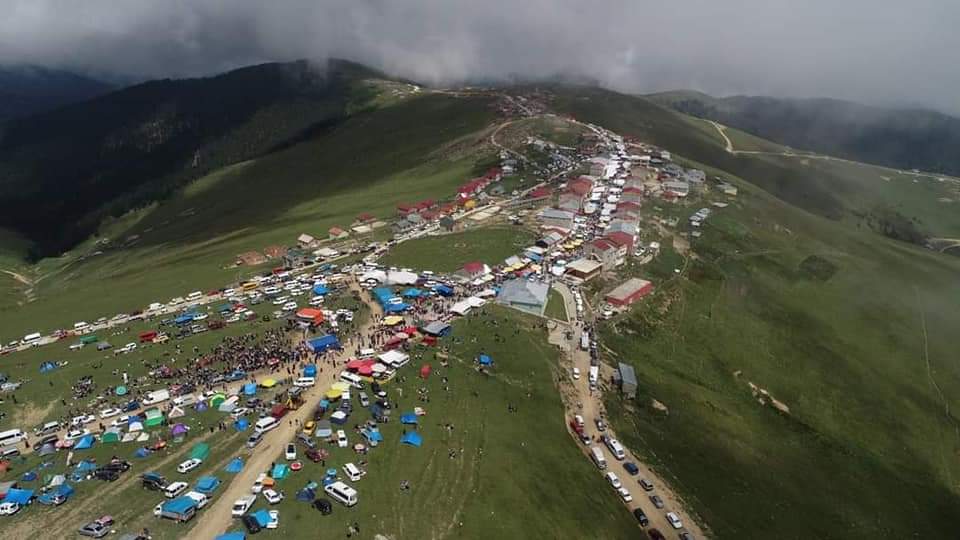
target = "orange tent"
x: 311, y: 315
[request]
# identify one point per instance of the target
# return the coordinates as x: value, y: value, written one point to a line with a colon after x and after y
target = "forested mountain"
x: 26, y: 90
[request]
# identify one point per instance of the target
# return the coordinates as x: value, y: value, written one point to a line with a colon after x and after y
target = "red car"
x: 654, y: 534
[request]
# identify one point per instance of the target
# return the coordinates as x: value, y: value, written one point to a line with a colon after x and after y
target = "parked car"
x: 188, y: 465
x: 614, y: 480
x: 631, y: 468
x: 290, y: 453
x: 109, y: 412
x: 242, y: 505
x: 342, y: 438
x: 674, y: 520
x: 153, y: 481
x: 654, y: 534
x: 97, y: 528
x: 657, y: 501
x: 646, y: 484
x: 75, y: 434
x: 641, y: 517
x: 251, y: 523
x: 272, y: 497
x: 174, y: 489
x: 323, y: 506
x: 9, y: 508
x: 625, y: 495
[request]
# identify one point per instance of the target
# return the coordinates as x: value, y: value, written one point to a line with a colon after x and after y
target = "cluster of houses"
x: 413, y: 215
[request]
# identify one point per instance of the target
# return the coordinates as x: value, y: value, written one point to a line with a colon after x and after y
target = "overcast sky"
x: 875, y: 51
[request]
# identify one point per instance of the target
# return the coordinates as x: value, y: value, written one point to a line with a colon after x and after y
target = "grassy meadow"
x: 449, y: 252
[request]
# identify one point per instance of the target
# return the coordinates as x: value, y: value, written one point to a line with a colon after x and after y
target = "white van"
x: 615, y: 448
x: 594, y: 375
x: 80, y: 326
x: 11, y: 437
x: 353, y: 472
x: 596, y: 454
x: 157, y: 396
x: 304, y: 382
x: 31, y: 339
x: 342, y: 493
x: 194, y: 296
x: 352, y: 379
x: 185, y: 400
x: 265, y: 424
x: 585, y: 341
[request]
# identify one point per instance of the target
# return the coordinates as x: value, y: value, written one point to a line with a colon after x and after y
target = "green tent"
x: 200, y: 451
x: 110, y: 436
x: 153, y: 418
x: 216, y: 400
x: 89, y: 340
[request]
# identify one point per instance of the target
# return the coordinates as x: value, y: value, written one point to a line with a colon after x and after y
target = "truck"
x: 596, y: 454
x: 157, y: 396
x: 585, y: 341
x: 594, y: 376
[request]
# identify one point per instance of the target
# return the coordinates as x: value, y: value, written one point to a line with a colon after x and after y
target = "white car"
x: 200, y: 316
x: 674, y: 520
x: 188, y: 465
x: 110, y: 412
x: 576, y: 374
x: 341, y: 438
x: 174, y: 489
x: 158, y: 510
x: 289, y: 306
x: 241, y: 505
x: 316, y: 301
x: 238, y: 412
x: 281, y: 300
x: 625, y: 495
x: 304, y: 382
x: 614, y: 481
x: 82, y: 419
x: 291, y: 452
x: 9, y: 508
x: 198, y: 498
x: 120, y: 422
x: 272, y: 496
x: 274, y: 519
x: 75, y: 434
x: 257, y: 486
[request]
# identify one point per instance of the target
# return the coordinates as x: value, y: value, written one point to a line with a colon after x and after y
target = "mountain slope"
x: 61, y: 172
x: 26, y: 90
x: 900, y: 138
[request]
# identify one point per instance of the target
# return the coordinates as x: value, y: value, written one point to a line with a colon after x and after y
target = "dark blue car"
x: 631, y: 468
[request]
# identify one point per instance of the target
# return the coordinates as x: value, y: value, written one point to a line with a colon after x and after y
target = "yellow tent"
x: 392, y: 320
x: 268, y: 383
x: 470, y: 205
x: 339, y: 386
x: 333, y: 393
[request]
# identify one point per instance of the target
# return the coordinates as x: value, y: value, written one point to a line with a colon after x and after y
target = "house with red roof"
x: 474, y: 269
x: 365, y: 218
x: 604, y: 251
x: 622, y: 240
x: 628, y: 206
x: 581, y: 186
x: 336, y: 233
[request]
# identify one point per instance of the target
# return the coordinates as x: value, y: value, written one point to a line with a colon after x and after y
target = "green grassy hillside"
x: 851, y: 331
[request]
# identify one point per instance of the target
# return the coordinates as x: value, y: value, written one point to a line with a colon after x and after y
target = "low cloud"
x: 875, y: 51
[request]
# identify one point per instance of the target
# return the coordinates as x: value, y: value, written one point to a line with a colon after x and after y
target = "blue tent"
x: 28, y: 476
x: 134, y: 418
x: 141, y: 452
x: 412, y: 292
x: 306, y: 495
x: 241, y: 424
x: 236, y: 535
x: 396, y: 308
x: 443, y: 290
x: 280, y: 471
x: 262, y: 517
x: 57, y: 495
x: 320, y: 290
x: 322, y: 343
x: 310, y: 371
x: 412, y: 438
x: 207, y: 484
x: 408, y: 418
x: 225, y: 308
x: 250, y: 389
x: 19, y: 496
x: 85, y: 443
x: 383, y: 294
x: 235, y: 465
x: 47, y: 367
x: 184, y: 319
x: 201, y: 406
x: 372, y: 435
x: 485, y: 360
x: 180, y: 505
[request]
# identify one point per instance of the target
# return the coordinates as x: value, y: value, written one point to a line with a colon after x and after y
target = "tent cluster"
x: 390, y: 302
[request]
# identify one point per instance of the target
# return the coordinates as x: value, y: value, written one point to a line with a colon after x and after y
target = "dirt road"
x: 590, y: 408
x: 216, y: 519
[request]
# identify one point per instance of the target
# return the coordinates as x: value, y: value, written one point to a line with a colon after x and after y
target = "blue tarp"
x: 250, y: 389
x: 310, y: 371
x: 235, y: 465
x: 262, y: 517
x: 412, y: 438
x: 184, y: 319
x: 408, y: 418
x: 141, y: 452
x: 412, y: 292
x: 323, y: 343
x: 373, y: 435
x: 320, y: 290
x: 28, y: 476
x: 396, y: 308
x: 280, y: 471
x: 85, y: 466
x: 85, y: 442
x: 207, y: 484
x: 383, y: 294
x: 236, y: 535
x: 63, y: 491
x: 180, y: 505
x: 485, y: 360
x: 241, y: 424
x: 443, y: 290
x: 19, y: 496
x: 47, y: 366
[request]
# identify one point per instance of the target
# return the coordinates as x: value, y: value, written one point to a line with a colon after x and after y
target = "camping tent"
x: 47, y: 367
x: 485, y: 360
x: 228, y: 404
x: 425, y: 371
x: 310, y: 371
x: 412, y: 292
x: 111, y: 435
x: 408, y: 418
x: 104, y: 345
x: 141, y: 452
x: 201, y: 406
x: 120, y: 390
x: 19, y: 496
x: 320, y: 290
x: 29, y: 476
x: 443, y: 290
x: 57, y: 495
x: 46, y: 450
x: 412, y: 438
x: 236, y: 535
x: 262, y: 517
x: 280, y: 471
x: 153, y: 418
x: 306, y: 495
x: 207, y: 484
x: 200, y: 451
x: 241, y: 424
x: 235, y: 465
x: 250, y: 389
x: 181, y: 506
x: 268, y: 383
x: 179, y: 430
x: 217, y: 399
x: 176, y: 412
x: 85, y: 443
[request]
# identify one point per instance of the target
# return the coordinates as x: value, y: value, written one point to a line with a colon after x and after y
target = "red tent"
x: 365, y: 370
x: 429, y: 340
x: 425, y: 371
x: 410, y: 331
x: 354, y: 364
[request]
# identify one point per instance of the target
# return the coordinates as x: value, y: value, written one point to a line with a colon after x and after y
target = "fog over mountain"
x: 874, y: 51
